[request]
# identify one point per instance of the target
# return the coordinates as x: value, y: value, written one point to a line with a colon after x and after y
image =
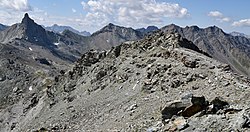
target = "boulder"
x: 216, y: 105
x: 188, y: 62
x: 173, y: 108
x: 198, y: 104
x: 246, y: 118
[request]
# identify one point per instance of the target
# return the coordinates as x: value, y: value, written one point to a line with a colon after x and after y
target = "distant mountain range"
x: 68, y: 45
x: 239, y: 34
x: 2, y: 27
x: 59, y: 29
x: 234, y: 50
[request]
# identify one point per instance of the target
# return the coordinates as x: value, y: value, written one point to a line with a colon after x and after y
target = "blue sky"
x: 91, y: 15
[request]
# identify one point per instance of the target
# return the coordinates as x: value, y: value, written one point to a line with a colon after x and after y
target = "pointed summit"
x: 27, y: 20
x: 110, y: 24
x: 26, y: 15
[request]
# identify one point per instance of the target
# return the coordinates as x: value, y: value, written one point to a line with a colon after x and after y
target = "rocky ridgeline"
x: 224, y: 47
x: 161, y: 83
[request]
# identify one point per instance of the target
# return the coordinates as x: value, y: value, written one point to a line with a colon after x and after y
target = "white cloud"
x: 225, y: 19
x: 219, y: 16
x: 133, y: 13
x: 73, y: 10
x: 17, y: 5
x: 215, y: 14
x: 242, y: 23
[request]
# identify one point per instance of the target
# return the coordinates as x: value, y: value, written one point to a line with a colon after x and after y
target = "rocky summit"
x: 163, y: 82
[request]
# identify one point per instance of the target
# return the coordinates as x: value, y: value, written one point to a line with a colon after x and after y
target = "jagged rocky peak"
x: 27, y: 20
x: 30, y: 24
x: 33, y: 32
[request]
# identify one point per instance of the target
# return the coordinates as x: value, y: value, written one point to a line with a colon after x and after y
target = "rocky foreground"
x: 160, y: 83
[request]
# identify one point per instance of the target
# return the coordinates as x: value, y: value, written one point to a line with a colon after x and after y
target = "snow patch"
x: 56, y: 43
x: 35, y: 39
x: 30, y: 88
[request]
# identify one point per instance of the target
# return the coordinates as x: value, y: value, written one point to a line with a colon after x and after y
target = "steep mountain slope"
x: 30, y: 35
x: 160, y: 83
x: 21, y: 70
x: 28, y: 58
x: 234, y: 50
x: 2, y: 27
x: 29, y: 31
x: 59, y: 29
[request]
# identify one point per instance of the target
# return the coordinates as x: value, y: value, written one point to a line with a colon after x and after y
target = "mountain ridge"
x: 239, y: 34
x: 220, y: 45
x: 59, y: 29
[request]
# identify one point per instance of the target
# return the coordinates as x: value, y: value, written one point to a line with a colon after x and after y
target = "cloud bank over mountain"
x: 130, y: 12
x: 17, y: 5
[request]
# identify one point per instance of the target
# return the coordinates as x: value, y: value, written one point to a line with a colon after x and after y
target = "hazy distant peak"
x: 60, y: 29
x: 3, y: 27
x: 239, y: 34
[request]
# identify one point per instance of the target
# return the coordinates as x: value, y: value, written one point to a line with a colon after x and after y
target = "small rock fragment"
x: 217, y: 104
x: 180, y: 123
